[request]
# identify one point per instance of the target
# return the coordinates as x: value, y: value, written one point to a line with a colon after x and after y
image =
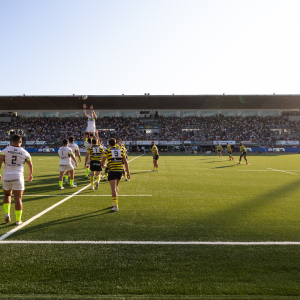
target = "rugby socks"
x: 6, y: 207
x: 71, y: 181
x: 92, y: 181
x: 86, y: 172
x: 18, y: 215
x: 115, y: 201
x: 66, y: 177
x: 97, y: 178
x: 60, y: 183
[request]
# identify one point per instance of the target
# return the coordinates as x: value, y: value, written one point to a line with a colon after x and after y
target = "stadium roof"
x: 199, y: 102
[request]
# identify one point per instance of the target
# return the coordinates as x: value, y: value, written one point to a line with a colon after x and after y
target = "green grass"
x: 191, y: 198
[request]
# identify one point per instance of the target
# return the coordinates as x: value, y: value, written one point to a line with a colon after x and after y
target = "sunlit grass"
x: 191, y: 198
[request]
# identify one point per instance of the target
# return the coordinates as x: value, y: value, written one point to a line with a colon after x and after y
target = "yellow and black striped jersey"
x: 219, y: 147
x: 154, y: 150
x: 229, y: 148
x: 114, y: 157
x: 123, y: 148
x: 243, y: 149
x: 95, y: 152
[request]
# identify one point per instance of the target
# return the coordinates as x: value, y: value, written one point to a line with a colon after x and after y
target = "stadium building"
x: 151, y: 109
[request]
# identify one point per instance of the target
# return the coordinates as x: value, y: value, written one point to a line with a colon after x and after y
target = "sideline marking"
x: 282, y: 171
x: 86, y: 195
x: 152, y: 243
x: 4, y: 236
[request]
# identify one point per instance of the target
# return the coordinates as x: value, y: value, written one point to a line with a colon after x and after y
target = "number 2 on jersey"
x: 14, y: 160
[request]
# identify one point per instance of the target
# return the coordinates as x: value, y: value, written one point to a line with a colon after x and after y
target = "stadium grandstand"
x: 176, y: 122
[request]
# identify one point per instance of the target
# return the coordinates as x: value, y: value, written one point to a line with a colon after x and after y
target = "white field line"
x: 86, y: 195
x: 255, y: 170
x: 4, y: 236
x: 282, y: 171
x: 153, y: 243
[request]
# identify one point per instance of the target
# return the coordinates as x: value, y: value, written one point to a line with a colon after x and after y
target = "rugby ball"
x: 84, y: 97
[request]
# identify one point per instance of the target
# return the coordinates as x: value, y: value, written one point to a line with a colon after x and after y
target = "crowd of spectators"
x: 257, y: 129
x: 291, y: 113
x: 260, y: 129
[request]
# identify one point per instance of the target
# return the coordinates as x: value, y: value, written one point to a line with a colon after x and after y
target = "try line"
x: 4, y: 236
x: 153, y: 243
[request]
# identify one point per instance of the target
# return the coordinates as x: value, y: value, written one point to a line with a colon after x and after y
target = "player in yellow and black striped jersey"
x: 243, y: 153
x: 115, y: 156
x: 219, y: 150
x: 95, y: 153
x: 155, y: 156
x: 122, y: 146
x: 229, y: 151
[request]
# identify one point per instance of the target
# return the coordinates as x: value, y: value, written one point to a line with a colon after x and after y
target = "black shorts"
x: 244, y: 154
x: 114, y: 175
x: 95, y: 166
x: 219, y: 151
x: 229, y: 152
x: 155, y: 157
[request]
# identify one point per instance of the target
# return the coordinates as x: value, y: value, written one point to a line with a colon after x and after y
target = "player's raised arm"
x: 92, y: 112
x: 84, y: 110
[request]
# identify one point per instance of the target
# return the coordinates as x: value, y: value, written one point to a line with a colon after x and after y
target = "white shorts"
x: 91, y: 129
x: 65, y: 168
x: 13, y: 182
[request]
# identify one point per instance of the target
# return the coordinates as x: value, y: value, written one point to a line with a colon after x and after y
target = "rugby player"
x: 91, y: 126
x: 243, y: 153
x: 122, y: 146
x: 115, y: 156
x: 66, y: 156
x: 13, y: 178
x: 75, y: 149
x: 87, y: 144
x: 219, y: 150
x: 229, y: 151
x: 155, y: 156
x: 94, y: 153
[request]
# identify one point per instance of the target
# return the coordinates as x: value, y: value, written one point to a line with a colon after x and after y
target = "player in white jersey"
x: 14, y: 158
x: 75, y: 150
x: 91, y: 126
x: 66, y: 156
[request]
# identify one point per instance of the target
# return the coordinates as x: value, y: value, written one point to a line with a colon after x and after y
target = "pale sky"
x: 161, y: 47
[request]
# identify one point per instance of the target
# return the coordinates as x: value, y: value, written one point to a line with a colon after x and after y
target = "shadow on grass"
x: 36, y: 228
x: 135, y: 173
x: 235, y: 215
x: 225, y: 167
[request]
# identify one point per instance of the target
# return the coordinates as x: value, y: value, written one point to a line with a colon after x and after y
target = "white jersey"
x: 14, y: 158
x: 73, y: 147
x: 91, y: 125
x: 64, y: 155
